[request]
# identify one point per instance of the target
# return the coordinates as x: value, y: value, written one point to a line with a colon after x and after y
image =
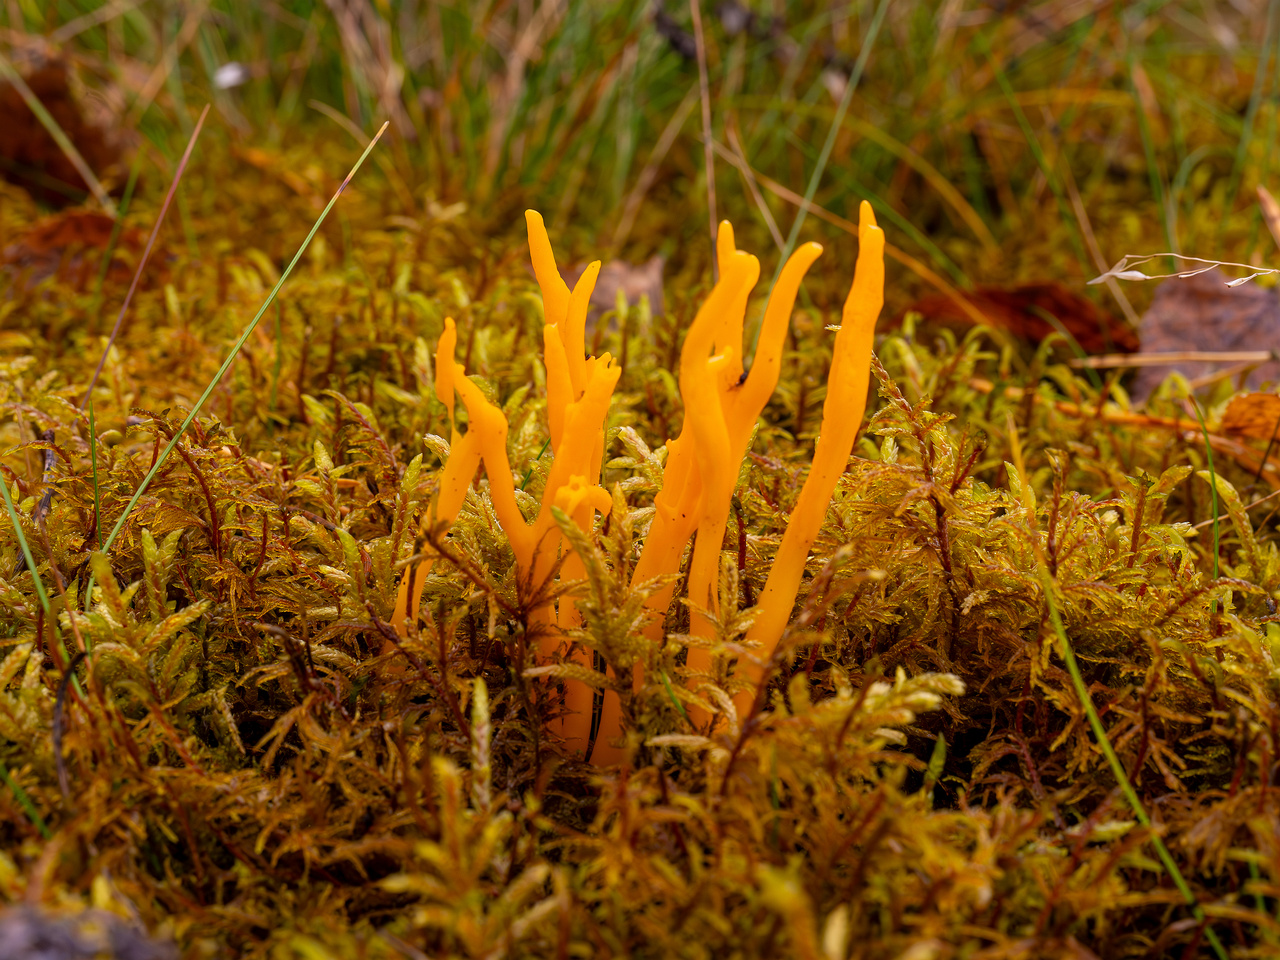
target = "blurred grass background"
x: 998, y: 141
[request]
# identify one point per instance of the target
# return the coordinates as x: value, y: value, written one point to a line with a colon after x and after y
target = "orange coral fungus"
x: 842, y: 412
x: 578, y: 393
x: 703, y: 462
x: 722, y: 405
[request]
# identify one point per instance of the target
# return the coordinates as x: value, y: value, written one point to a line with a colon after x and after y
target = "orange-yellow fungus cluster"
x: 722, y: 405
x: 578, y: 393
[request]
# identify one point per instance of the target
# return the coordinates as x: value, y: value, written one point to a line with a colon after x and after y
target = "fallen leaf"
x: 635, y: 280
x: 1025, y: 311
x: 1201, y: 313
x: 59, y: 242
x: 1252, y: 415
x: 29, y: 156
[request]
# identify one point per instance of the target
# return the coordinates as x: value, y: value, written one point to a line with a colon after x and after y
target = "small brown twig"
x: 442, y: 688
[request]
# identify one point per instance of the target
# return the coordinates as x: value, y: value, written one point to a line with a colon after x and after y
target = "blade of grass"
x: 1095, y: 722
x: 19, y: 794
x: 97, y: 489
x: 649, y: 173
x: 836, y: 122
x: 146, y: 253
x: 890, y: 251
x: 1254, y: 874
x: 708, y: 151
x: 1117, y: 768
x: 1033, y: 142
x: 235, y: 349
x: 1251, y: 112
x: 1149, y: 150
x: 59, y: 137
x: 24, y: 801
x: 901, y: 152
x: 116, y: 229
x: 26, y: 550
x: 883, y: 209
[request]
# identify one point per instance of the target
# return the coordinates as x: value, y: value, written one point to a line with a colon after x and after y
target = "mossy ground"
x: 247, y: 763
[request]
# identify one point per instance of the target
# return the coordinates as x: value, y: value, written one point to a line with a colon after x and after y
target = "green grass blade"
x: 26, y: 550
x: 1117, y: 768
x: 25, y: 802
x: 1254, y: 874
x: 1033, y: 143
x: 235, y: 350
x: 836, y: 122
x: 1067, y: 652
x: 19, y: 794
x: 97, y: 489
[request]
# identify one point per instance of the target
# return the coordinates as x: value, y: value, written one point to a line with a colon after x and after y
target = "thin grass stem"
x: 24, y: 801
x: 836, y: 122
x: 708, y: 148
x: 1117, y: 768
x: 235, y: 350
x: 146, y: 253
x: 1095, y: 722
x: 93, y: 463
x: 26, y: 550
x: 1258, y: 899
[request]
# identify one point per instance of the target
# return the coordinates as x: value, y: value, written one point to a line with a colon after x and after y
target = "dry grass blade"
x: 868, y: 44
x: 87, y: 21
x: 1091, y: 241
x: 891, y: 251
x: 738, y: 158
x: 1124, y: 269
x: 1110, y: 361
x: 1270, y: 212
x: 708, y: 152
x: 168, y: 62
x: 650, y: 171
x: 146, y: 254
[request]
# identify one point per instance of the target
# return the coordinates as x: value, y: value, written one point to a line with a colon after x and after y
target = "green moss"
x: 250, y: 772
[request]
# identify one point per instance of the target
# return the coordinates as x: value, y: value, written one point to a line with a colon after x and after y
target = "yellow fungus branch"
x: 841, y: 417
x: 722, y: 407
x: 704, y: 461
x: 579, y: 390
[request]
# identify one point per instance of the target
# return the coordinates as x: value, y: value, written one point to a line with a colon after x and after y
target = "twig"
x: 1124, y: 269
x: 1107, y: 361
